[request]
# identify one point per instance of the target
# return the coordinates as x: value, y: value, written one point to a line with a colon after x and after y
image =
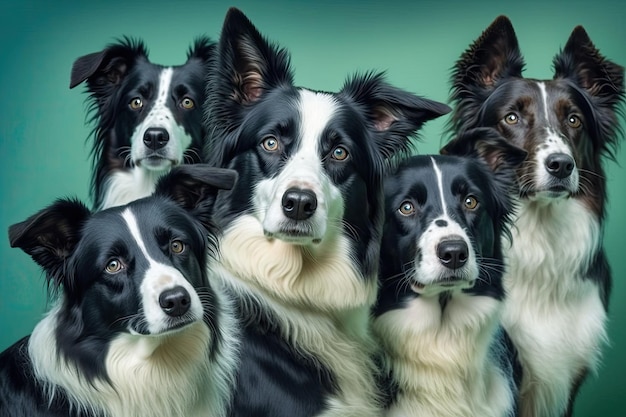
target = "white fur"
x: 122, y: 187
x: 441, y: 361
x: 165, y: 374
x: 554, y: 316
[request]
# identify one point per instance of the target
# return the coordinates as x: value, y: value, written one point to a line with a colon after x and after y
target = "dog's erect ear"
x: 493, y: 56
x: 489, y: 145
x: 393, y: 113
x: 582, y: 62
x: 203, y: 48
x: 194, y: 187
x: 108, y: 67
x: 247, y: 63
x: 50, y: 236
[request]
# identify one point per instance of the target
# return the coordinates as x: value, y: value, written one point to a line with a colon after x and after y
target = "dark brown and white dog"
x: 558, y: 280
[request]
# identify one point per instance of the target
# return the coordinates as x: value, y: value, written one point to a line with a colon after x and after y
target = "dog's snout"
x: 156, y: 138
x: 299, y: 204
x: 175, y: 302
x: 453, y: 253
x: 560, y: 165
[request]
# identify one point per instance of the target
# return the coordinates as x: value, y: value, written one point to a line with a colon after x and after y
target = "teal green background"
x: 43, y: 127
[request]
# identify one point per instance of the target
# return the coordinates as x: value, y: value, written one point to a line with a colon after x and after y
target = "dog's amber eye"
x: 187, y: 103
x: 136, y: 103
x: 511, y: 119
x: 470, y: 202
x: 270, y: 143
x: 574, y: 121
x: 177, y: 246
x: 114, y: 266
x: 340, y: 153
x: 407, y: 208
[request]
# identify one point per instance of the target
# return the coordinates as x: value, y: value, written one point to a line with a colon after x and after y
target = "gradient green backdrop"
x: 43, y: 124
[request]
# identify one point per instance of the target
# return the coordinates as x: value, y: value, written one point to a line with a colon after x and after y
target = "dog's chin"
x: 441, y: 284
x: 156, y: 163
x: 172, y: 327
x: 548, y: 195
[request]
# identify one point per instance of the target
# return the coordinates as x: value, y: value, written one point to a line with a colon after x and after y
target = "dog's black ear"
x: 203, y: 48
x: 247, y: 63
x: 493, y: 56
x: 582, y: 62
x: 490, y: 146
x: 51, y: 235
x: 395, y: 114
x: 108, y: 67
x: 194, y: 187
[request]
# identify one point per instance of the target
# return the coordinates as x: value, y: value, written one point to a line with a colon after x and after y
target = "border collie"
x: 301, y: 229
x: 558, y: 280
x: 440, y: 299
x: 148, y: 118
x: 139, y: 329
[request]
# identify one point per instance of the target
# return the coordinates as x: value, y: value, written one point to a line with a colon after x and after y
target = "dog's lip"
x: 447, y: 282
x: 293, y: 236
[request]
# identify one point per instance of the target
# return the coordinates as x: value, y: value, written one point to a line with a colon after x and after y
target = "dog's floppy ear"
x: 194, y: 187
x: 489, y: 145
x: 582, y: 62
x: 394, y: 114
x: 51, y: 235
x: 108, y: 67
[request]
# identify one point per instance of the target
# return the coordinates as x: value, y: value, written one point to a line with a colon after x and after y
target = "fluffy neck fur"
x: 440, y: 359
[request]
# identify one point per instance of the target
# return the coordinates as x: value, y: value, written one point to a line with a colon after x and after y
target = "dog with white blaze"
x: 558, y: 281
x: 139, y: 328
x: 147, y: 117
x: 301, y: 229
x: 438, y: 314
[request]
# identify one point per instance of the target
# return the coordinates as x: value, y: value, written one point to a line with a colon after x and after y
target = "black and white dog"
x: 139, y: 329
x: 441, y: 292
x: 558, y: 280
x: 302, y: 226
x: 148, y: 117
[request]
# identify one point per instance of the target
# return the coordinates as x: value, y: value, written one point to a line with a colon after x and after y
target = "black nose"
x: 452, y: 253
x: 560, y: 165
x: 156, y: 138
x: 175, y: 302
x: 299, y: 204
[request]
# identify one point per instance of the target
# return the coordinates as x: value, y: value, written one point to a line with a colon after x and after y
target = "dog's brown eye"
x: 407, y: 208
x: 340, y: 153
x: 114, y: 266
x: 470, y: 202
x: 270, y: 143
x: 177, y: 246
x: 574, y: 121
x: 511, y: 119
x: 136, y: 103
x: 187, y: 103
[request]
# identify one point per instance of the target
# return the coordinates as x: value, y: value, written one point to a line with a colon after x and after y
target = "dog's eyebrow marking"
x: 544, y: 96
x: 440, y: 186
x: 131, y: 221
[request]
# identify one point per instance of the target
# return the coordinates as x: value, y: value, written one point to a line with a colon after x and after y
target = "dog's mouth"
x: 442, y: 284
x: 295, y: 236
x: 156, y: 162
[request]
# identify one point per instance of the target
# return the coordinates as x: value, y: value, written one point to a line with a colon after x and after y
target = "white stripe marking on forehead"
x: 131, y: 222
x: 544, y: 96
x: 440, y: 186
x: 316, y: 110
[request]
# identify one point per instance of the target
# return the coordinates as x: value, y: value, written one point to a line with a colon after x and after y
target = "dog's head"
x: 565, y: 124
x: 444, y: 219
x: 138, y: 269
x: 145, y: 115
x: 311, y: 162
